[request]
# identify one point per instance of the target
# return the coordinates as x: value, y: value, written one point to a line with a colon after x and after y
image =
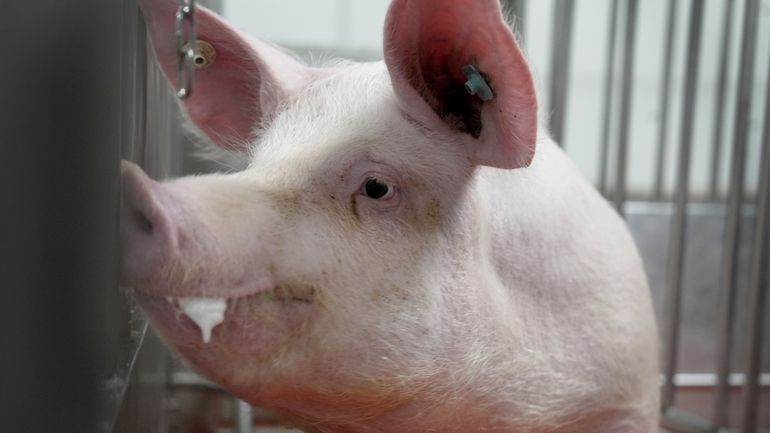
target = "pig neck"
x: 466, y: 411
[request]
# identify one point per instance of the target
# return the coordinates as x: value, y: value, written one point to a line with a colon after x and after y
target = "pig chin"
x: 252, y: 327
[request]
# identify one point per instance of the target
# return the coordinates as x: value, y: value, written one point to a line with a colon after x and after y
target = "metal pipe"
x: 677, y: 245
x: 560, y: 63
x: 676, y: 421
x: 730, y: 246
x: 609, y: 77
x: 664, y: 99
x: 758, y: 289
x: 625, y: 108
x: 136, y: 148
x: 719, y: 112
x: 244, y: 418
x: 709, y: 380
x: 189, y: 379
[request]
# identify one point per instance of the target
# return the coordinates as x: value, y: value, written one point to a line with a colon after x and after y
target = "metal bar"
x: 137, y: 150
x: 677, y: 245
x: 243, y: 412
x: 185, y: 379
x: 625, y: 108
x: 676, y: 421
x: 162, y: 144
x: 758, y: 289
x: 609, y: 77
x: 665, y: 90
x: 730, y: 246
x: 244, y: 417
x: 560, y: 63
x: 719, y: 112
x: 709, y: 380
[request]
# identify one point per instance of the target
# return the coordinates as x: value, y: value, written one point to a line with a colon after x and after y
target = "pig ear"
x: 240, y: 83
x: 429, y: 45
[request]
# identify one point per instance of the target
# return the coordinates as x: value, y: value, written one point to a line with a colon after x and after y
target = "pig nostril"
x: 142, y: 222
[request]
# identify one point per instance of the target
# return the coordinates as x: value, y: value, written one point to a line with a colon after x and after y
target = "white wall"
x: 338, y: 25
x: 354, y: 27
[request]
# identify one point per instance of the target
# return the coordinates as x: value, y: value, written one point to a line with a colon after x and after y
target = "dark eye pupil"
x: 376, y: 189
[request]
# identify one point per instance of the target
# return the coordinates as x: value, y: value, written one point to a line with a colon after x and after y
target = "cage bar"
x: 625, y: 108
x: 609, y: 85
x: 665, y: 90
x: 244, y: 417
x: 677, y: 245
x: 726, y: 306
x: 721, y: 87
x: 560, y: 64
x: 758, y: 289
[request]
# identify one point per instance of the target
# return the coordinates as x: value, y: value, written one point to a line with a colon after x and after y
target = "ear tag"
x: 476, y: 84
x: 204, y: 54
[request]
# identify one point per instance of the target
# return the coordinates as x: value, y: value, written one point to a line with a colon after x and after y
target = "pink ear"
x: 243, y: 86
x: 427, y: 45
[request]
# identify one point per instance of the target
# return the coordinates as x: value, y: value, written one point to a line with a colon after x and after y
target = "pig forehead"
x: 352, y: 110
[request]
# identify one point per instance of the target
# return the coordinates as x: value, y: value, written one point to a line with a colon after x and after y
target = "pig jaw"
x: 254, y: 328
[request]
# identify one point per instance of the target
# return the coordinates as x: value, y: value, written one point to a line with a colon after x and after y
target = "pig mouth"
x: 192, y: 320
x: 302, y: 293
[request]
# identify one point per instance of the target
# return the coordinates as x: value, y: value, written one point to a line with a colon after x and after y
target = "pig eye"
x: 377, y: 189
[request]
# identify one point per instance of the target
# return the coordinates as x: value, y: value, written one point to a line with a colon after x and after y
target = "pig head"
x: 402, y: 253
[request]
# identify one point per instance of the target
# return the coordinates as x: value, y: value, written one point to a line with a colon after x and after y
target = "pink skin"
x: 168, y: 249
x: 246, y: 83
x: 427, y: 43
x: 164, y: 230
x: 331, y: 318
x: 167, y: 244
x: 231, y: 336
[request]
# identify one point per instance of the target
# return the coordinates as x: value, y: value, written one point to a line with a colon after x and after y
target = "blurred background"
x: 662, y: 103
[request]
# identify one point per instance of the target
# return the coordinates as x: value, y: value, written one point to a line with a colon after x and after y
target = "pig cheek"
x: 253, y: 343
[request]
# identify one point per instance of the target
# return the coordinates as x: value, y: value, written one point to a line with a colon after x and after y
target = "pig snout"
x: 197, y: 237
x: 149, y: 236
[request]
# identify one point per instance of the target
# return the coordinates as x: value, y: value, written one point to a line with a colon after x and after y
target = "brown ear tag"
x: 205, y: 55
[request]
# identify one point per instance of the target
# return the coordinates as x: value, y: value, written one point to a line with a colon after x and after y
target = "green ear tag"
x: 476, y: 84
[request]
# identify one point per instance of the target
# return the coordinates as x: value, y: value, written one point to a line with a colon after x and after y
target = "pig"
x: 405, y: 249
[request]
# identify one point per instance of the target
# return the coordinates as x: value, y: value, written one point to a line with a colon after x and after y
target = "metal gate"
x: 706, y: 252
